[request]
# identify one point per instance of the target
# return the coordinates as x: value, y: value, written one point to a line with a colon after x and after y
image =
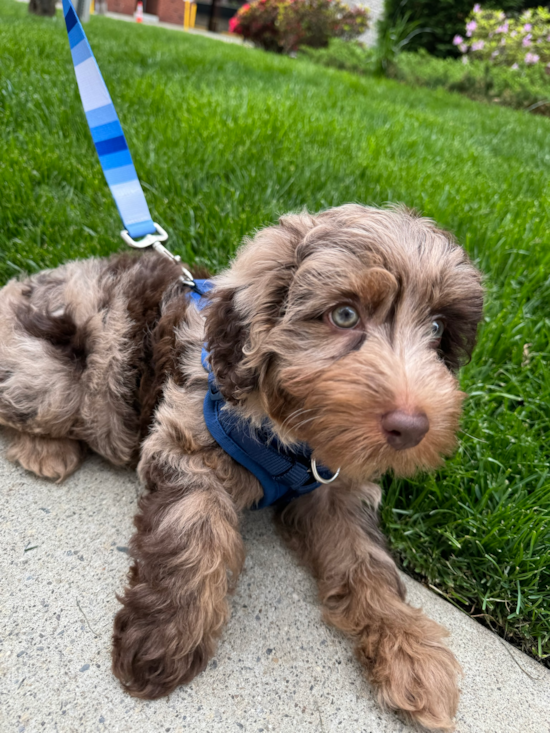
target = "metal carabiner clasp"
x: 148, y: 240
x: 154, y: 241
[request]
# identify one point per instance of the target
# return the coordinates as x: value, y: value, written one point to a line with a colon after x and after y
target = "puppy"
x: 341, y: 330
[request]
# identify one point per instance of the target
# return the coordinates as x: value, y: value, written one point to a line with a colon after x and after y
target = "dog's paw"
x: 53, y: 458
x: 151, y: 656
x: 413, y: 671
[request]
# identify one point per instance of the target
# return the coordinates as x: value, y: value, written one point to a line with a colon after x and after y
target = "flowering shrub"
x: 444, y: 18
x: 257, y: 22
x: 505, y: 41
x: 286, y: 25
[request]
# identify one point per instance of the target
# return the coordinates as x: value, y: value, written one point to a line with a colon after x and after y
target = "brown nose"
x: 402, y: 430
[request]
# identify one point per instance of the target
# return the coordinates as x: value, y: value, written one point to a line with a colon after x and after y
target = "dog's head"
x: 346, y: 328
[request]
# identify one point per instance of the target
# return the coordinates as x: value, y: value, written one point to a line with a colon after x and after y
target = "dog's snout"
x: 403, y: 430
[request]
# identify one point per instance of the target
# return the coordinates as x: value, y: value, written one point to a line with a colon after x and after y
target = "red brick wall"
x: 170, y: 11
x: 126, y: 7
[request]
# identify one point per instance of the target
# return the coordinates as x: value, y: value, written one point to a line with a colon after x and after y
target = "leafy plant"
x: 507, y: 41
x: 446, y: 18
x: 393, y: 38
x: 351, y: 56
x: 286, y: 25
x: 257, y: 22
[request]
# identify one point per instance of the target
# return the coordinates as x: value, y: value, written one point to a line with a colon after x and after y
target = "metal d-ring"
x: 319, y: 478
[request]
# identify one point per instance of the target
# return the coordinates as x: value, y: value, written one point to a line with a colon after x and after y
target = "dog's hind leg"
x: 53, y: 458
x: 334, y: 531
x: 40, y: 366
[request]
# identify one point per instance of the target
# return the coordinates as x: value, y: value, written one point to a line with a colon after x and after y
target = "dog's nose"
x: 402, y: 430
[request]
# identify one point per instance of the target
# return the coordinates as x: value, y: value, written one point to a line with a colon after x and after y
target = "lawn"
x: 224, y: 139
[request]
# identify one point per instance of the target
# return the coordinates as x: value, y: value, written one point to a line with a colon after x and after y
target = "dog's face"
x: 346, y: 329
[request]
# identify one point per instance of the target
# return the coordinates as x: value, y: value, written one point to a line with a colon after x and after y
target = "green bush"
x: 286, y: 25
x: 445, y: 18
x: 525, y: 88
x: 347, y: 55
x: 521, y: 89
x: 507, y: 41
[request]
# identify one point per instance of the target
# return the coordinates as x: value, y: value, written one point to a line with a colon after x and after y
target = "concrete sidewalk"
x: 278, y: 667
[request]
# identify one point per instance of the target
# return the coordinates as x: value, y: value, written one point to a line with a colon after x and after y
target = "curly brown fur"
x: 336, y: 534
x: 53, y: 458
x: 188, y: 554
x: 107, y: 354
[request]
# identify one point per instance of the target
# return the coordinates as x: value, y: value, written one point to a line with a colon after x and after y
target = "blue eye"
x: 436, y: 329
x: 344, y: 316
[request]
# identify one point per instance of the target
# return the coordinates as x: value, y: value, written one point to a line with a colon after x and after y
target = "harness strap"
x: 107, y: 133
x: 284, y: 473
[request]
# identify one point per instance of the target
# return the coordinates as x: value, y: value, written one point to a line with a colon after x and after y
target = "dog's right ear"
x: 226, y: 336
x: 247, y: 302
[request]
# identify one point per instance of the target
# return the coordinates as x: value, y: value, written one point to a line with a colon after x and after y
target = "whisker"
x: 300, y: 424
x: 301, y: 410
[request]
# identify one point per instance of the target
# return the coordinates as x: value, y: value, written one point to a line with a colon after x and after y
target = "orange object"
x: 139, y: 12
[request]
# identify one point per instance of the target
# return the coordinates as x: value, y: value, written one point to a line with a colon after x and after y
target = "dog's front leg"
x: 188, y: 552
x: 335, y: 532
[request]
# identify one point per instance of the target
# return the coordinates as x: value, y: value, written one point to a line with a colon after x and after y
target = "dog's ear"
x: 247, y: 302
x: 226, y: 336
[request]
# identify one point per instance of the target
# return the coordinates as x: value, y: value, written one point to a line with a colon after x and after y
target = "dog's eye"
x: 436, y: 329
x: 344, y: 316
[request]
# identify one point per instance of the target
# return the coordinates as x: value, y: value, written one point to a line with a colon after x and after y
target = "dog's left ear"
x: 247, y: 302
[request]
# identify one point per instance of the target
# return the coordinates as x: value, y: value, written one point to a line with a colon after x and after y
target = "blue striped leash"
x: 112, y: 147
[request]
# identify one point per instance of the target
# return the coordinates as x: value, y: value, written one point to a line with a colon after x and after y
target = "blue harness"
x: 284, y: 473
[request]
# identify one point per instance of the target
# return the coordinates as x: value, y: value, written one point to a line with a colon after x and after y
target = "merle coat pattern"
x: 105, y: 355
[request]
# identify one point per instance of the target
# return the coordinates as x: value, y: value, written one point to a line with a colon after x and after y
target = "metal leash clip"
x: 154, y: 241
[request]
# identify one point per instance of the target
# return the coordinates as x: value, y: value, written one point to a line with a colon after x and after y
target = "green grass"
x: 224, y: 139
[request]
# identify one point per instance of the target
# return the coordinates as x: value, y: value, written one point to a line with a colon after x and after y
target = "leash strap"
x: 107, y: 134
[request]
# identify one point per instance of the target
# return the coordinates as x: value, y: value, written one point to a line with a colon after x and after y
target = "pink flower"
x: 470, y: 28
x: 233, y: 23
x: 514, y: 66
x: 477, y: 8
x: 457, y: 40
x: 463, y: 47
x: 526, y: 41
x: 478, y: 45
x: 528, y: 27
x: 502, y: 28
x: 532, y: 58
x: 494, y: 54
x: 514, y: 34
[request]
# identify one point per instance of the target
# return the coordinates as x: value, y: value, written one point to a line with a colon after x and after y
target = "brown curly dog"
x: 344, y: 330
